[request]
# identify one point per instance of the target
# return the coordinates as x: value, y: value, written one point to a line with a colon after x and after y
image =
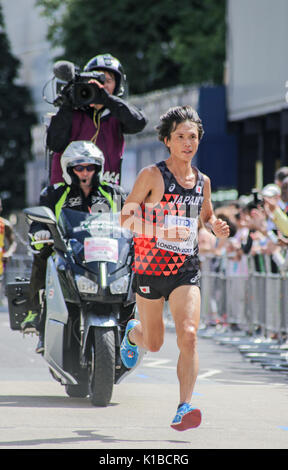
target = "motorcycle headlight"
x: 120, y: 286
x: 86, y: 286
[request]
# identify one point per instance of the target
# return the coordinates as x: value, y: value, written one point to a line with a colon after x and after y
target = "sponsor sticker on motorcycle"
x: 101, y: 249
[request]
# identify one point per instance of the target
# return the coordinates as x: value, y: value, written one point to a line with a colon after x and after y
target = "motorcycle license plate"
x: 100, y: 249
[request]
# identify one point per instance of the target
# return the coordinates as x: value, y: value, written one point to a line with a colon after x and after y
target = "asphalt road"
x: 243, y: 405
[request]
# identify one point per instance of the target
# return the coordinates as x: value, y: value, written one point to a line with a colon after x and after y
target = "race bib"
x: 185, y: 247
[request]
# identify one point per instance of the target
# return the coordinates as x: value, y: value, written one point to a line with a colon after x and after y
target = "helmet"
x: 111, y: 64
x: 78, y: 152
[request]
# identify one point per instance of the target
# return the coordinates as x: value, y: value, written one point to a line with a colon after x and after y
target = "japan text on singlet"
x: 179, y: 206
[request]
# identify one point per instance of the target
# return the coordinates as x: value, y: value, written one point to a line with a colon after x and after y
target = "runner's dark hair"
x: 173, y: 117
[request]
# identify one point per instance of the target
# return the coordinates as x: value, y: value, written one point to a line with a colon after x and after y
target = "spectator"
x: 284, y: 195
x: 280, y: 174
x: 206, y: 240
x: 8, y: 244
x: 273, y: 192
x: 273, y: 210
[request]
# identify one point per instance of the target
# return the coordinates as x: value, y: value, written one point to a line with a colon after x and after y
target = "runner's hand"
x: 221, y: 228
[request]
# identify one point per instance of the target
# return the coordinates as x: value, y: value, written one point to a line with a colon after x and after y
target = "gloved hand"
x: 42, y: 235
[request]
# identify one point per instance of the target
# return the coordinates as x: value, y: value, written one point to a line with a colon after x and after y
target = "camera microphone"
x: 64, y: 70
x: 75, y: 86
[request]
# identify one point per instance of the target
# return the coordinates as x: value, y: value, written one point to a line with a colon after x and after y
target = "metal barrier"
x: 252, y: 301
x: 213, y: 293
x: 19, y: 266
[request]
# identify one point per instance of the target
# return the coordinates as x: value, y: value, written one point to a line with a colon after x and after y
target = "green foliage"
x: 160, y: 44
x: 16, y: 119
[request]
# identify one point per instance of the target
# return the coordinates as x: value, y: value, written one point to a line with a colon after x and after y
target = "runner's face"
x: 184, y: 141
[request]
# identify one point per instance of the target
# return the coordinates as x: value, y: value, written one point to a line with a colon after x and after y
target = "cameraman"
x: 104, y: 123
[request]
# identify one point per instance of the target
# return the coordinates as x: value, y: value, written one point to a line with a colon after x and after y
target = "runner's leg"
x: 149, y: 333
x: 184, y: 304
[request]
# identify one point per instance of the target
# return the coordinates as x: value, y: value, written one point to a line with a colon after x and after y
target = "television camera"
x: 74, y: 87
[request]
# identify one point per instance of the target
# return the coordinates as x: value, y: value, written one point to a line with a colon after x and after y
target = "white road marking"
x: 209, y: 374
x: 162, y: 364
x: 158, y: 363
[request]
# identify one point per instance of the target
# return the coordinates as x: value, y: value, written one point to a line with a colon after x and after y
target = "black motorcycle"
x: 88, y: 300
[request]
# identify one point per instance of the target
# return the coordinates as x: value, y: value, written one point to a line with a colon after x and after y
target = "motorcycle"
x: 88, y: 299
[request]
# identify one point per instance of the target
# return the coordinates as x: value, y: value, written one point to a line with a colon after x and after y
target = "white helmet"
x: 78, y: 152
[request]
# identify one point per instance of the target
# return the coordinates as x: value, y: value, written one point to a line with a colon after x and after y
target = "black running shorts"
x: 155, y: 287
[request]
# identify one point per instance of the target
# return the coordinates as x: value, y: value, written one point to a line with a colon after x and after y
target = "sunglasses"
x: 80, y: 168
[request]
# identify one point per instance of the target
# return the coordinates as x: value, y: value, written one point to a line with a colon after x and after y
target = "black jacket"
x: 103, y: 198
x: 132, y: 120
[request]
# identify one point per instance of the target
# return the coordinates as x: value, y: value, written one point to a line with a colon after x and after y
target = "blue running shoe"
x: 129, y: 352
x: 186, y: 417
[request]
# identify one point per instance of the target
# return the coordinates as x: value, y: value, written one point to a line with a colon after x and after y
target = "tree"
x: 16, y: 119
x: 160, y: 44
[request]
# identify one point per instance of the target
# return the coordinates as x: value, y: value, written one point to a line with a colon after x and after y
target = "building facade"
x: 257, y: 74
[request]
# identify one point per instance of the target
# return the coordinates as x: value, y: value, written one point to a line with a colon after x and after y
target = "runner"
x: 163, y: 210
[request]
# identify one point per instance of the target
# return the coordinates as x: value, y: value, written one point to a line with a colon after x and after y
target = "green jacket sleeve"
x: 281, y: 221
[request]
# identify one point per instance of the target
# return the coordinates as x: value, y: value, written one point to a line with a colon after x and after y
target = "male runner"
x: 163, y: 210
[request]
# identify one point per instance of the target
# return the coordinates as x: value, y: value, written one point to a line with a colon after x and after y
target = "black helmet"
x: 110, y: 63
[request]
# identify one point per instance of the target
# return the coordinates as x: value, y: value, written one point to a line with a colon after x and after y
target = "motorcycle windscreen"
x: 96, y: 237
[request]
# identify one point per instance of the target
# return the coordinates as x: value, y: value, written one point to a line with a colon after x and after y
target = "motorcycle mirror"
x: 41, y: 214
x: 45, y: 215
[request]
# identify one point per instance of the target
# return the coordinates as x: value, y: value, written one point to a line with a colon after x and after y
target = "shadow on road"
x: 25, y: 401
x: 90, y: 435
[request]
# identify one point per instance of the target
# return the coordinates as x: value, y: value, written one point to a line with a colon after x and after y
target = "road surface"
x: 243, y: 406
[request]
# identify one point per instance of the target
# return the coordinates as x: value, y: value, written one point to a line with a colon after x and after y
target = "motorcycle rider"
x: 103, y: 123
x: 84, y: 190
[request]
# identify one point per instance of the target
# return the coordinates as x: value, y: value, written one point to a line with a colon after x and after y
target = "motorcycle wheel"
x: 102, y: 366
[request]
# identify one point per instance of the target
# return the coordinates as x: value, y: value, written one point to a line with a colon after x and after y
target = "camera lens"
x: 85, y: 93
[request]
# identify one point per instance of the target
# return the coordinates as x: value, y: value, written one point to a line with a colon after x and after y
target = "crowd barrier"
x: 19, y: 266
x: 247, y: 309
x: 250, y: 300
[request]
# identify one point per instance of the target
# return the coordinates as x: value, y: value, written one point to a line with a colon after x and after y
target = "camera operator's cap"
x: 78, y: 152
x: 111, y: 64
x: 271, y: 190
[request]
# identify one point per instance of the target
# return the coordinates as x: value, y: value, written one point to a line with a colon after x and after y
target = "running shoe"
x: 29, y: 324
x: 186, y: 417
x: 129, y: 352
